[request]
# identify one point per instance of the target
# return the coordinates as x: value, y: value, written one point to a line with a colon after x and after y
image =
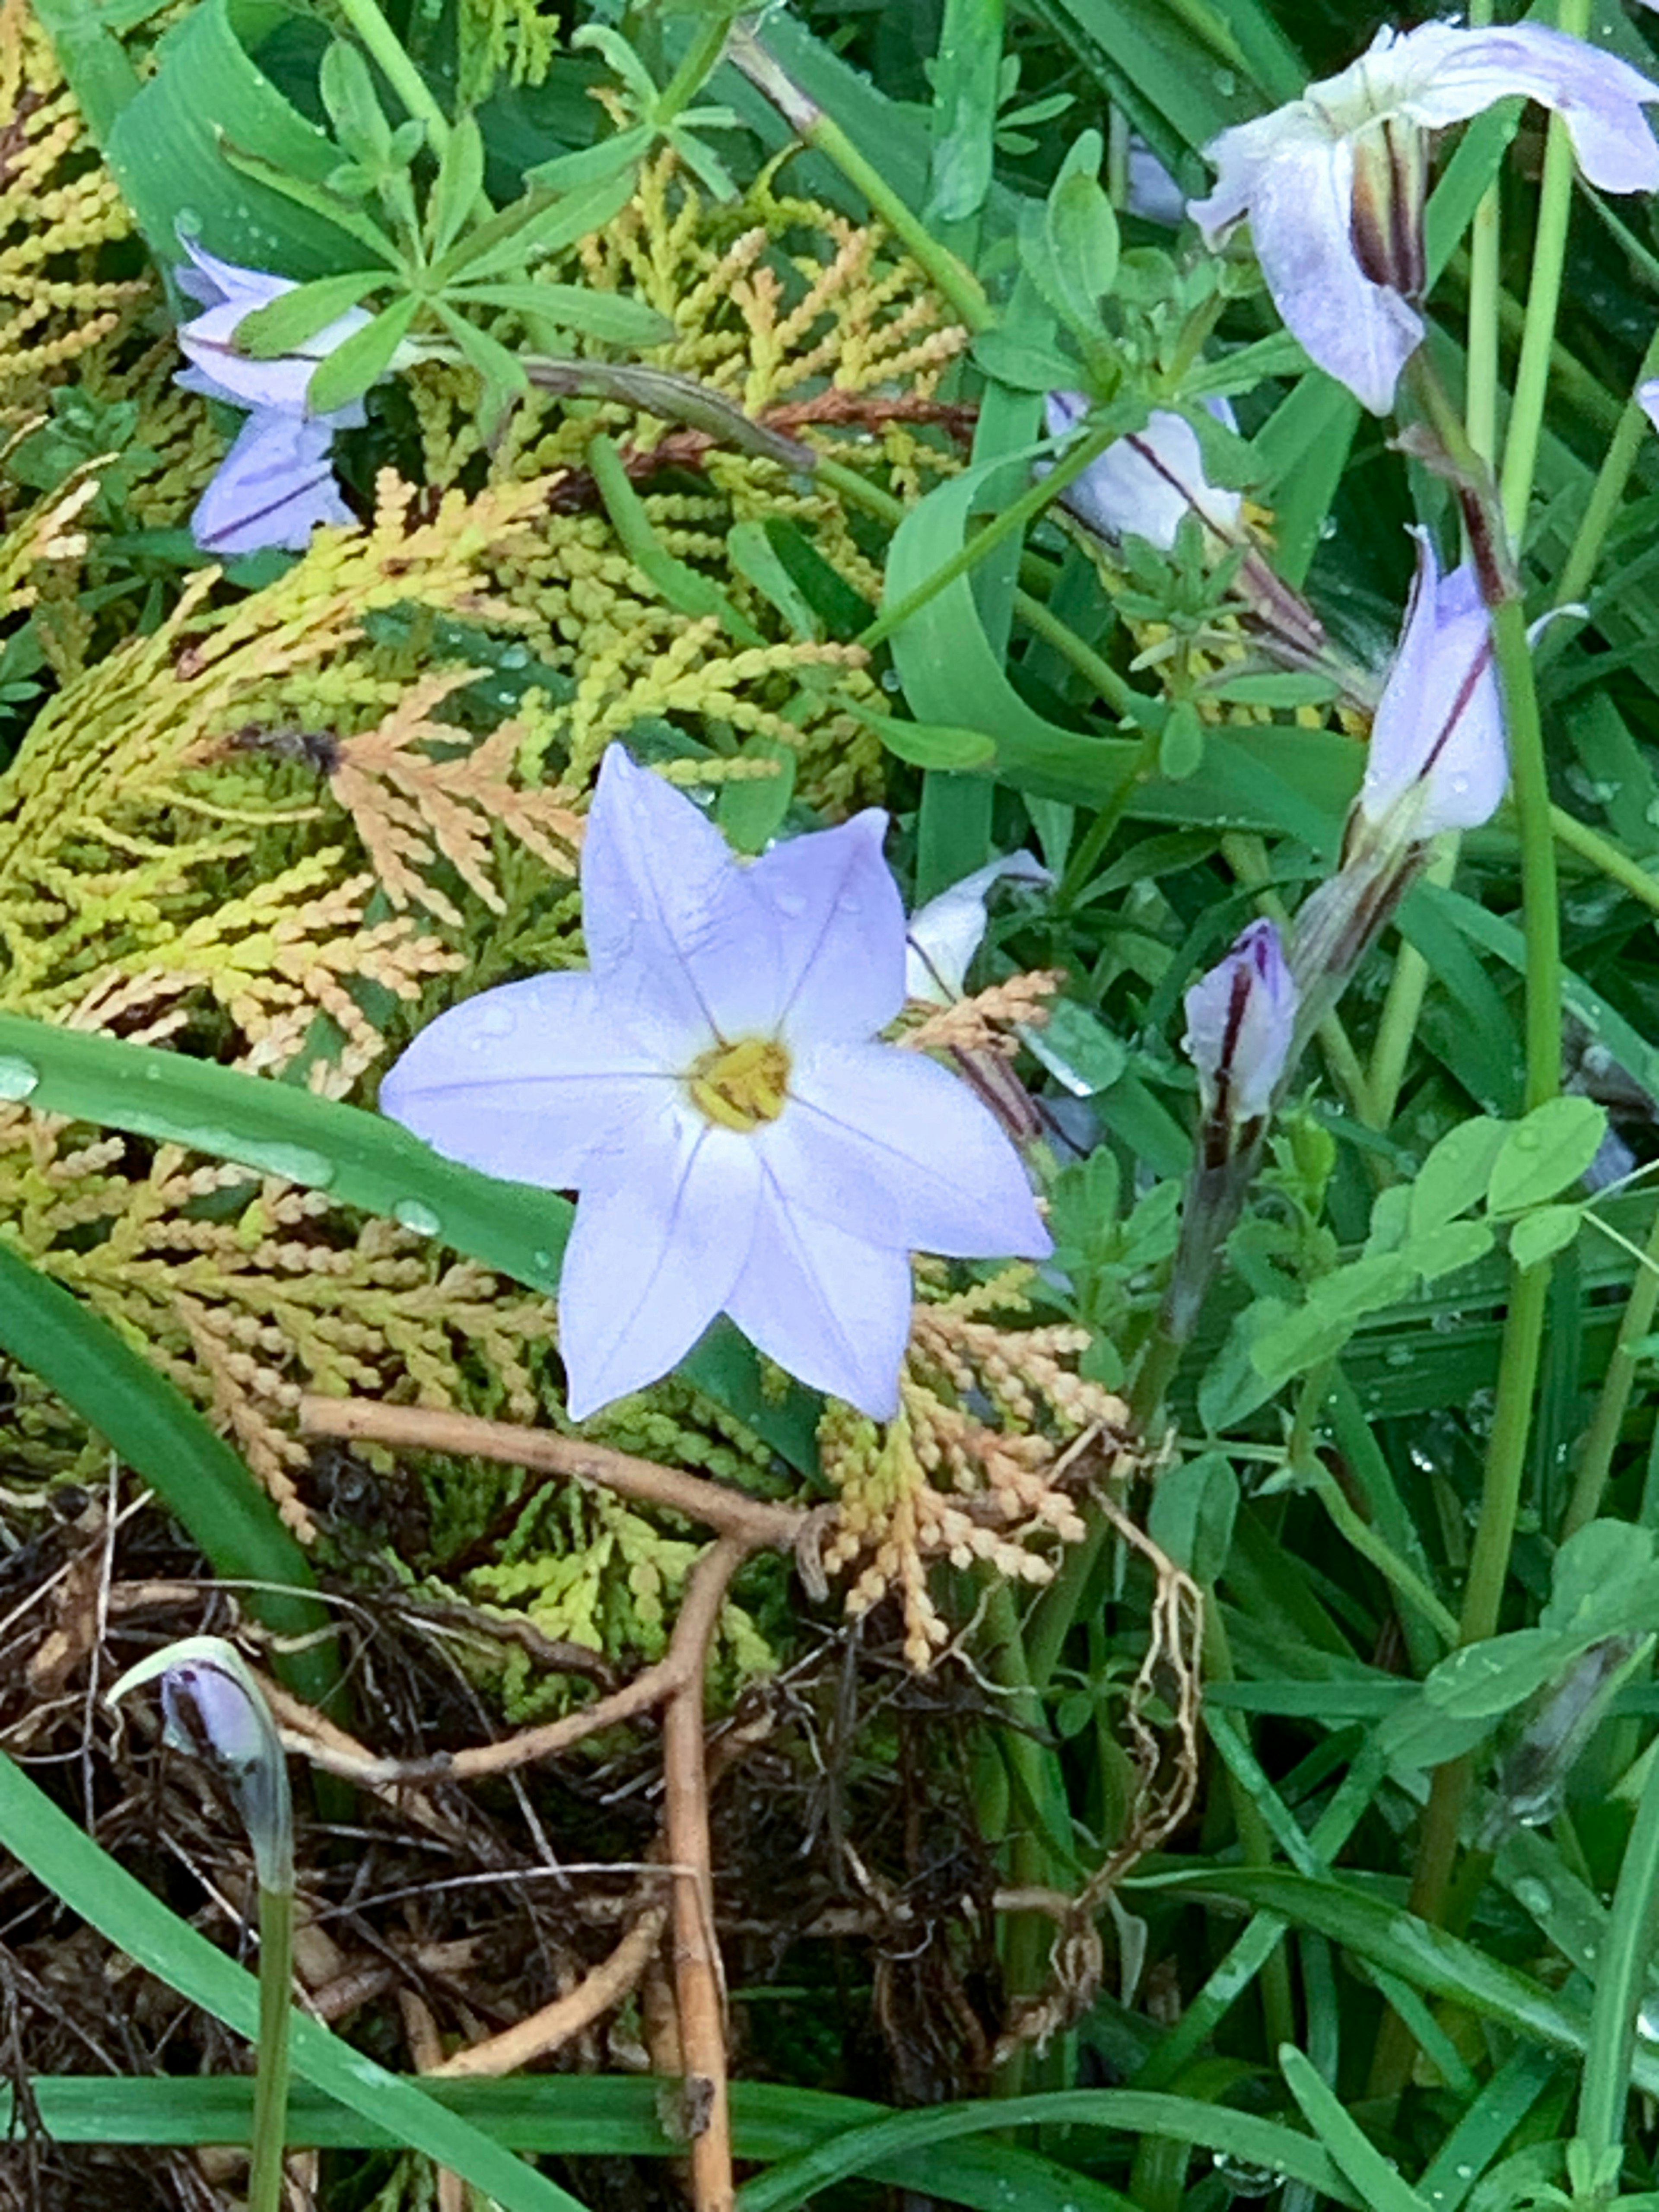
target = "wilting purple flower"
x: 1333, y: 184
x: 1437, y: 759
x: 1241, y: 1017
x: 276, y: 483
x: 213, y: 1709
x: 945, y: 934
x: 1147, y: 485
x: 715, y: 1091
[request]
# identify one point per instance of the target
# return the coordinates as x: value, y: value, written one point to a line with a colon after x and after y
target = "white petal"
x: 214, y: 282
x: 1240, y: 157
x: 945, y: 934
x: 1458, y: 73
x: 653, y: 1258
x: 1647, y: 397
x: 1148, y: 482
x: 832, y: 1309
x: 1152, y: 191
x: 685, y: 949
x: 1300, y: 221
x: 536, y: 1081
x: 901, y: 1153
x: 840, y: 930
x: 272, y: 488
x: 210, y: 341
x: 1438, y: 738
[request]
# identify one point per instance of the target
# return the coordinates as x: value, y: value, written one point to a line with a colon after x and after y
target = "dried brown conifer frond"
x: 946, y: 1482
x: 409, y: 807
x: 989, y: 1021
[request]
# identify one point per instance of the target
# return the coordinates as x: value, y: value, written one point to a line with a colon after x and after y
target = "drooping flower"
x: 1334, y: 182
x: 715, y: 1091
x: 276, y: 483
x: 945, y: 934
x: 1147, y: 484
x: 1437, y: 759
x: 213, y: 1709
x: 1241, y: 1017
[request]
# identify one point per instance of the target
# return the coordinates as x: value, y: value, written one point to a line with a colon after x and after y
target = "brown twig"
x: 558, y: 2023
x: 743, y: 1525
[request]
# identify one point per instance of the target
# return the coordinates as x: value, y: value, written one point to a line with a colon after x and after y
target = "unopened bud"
x: 213, y: 1709
x: 1240, y: 1019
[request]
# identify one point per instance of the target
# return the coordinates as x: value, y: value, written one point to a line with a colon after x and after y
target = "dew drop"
x: 413, y: 1213
x: 18, y: 1077
x: 1533, y: 1895
x: 541, y: 1258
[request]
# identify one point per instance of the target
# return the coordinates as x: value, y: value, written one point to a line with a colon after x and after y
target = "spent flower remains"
x: 1335, y: 184
x: 715, y: 1091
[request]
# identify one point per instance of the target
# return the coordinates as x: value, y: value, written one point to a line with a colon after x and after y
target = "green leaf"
x: 1380, y: 2185
x: 1083, y: 243
x: 1075, y: 1045
x: 164, y: 152
x: 924, y: 744
x: 752, y: 552
x: 458, y: 188
x: 617, y: 157
x: 1550, y: 1149
x: 751, y: 808
x: 286, y: 324
x: 1603, y: 1580
x: 354, y: 107
x: 1022, y: 363
x: 1456, y: 1171
x: 1484, y: 1681
x: 533, y: 228
x: 164, y: 1440
x: 1539, y: 1235
x: 1443, y: 1251
x: 362, y: 359
x: 1181, y: 747
x: 608, y: 316
x: 1192, y: 1513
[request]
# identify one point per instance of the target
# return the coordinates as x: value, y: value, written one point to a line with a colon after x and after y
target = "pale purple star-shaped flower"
x: 1145, y: 485
x: 1240, y: 1019
x: 276, y: 483
x: 714, y: 1091
x: 1334, y: 183
x: 1438, y: 758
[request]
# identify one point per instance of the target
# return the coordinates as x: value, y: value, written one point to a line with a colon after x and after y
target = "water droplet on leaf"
x: 18, y: 1077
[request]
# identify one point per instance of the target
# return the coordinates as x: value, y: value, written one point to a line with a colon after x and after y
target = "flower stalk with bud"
x: 215, y: 1711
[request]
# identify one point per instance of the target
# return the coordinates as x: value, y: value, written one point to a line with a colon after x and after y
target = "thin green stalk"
x: 1608, y: 489
x: 1403, y: 1005
x: 1255, y: 1841
x: 1595, y: 1460
x: 1543, y: 298
x: 1621, y: 1976
x: 1480, y: 392
x: 1100, y: 832
x: 387, y: 51
x: 1405, y: 1582
x: 1011, y: 522
x: 697, y: 64
x: 1028, y: 1935
x: 949, y: 276
x: 270, y: 2081
x: 1534, y: 823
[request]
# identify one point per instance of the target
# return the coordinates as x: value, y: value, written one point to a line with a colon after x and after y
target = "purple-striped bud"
x: 1437, y: 759
x: 1240, y: 1019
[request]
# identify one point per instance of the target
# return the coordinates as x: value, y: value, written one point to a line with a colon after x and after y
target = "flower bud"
x: 213, y: 1709
x: 1147, y: 485
x: 1437, y: 759
x: 1240, y: 1019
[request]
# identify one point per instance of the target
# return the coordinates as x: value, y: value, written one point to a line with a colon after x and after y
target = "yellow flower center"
x: 738, y: 1086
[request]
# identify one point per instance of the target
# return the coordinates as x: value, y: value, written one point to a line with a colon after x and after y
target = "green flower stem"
x: 1011, y: 522
x: 697, y: 64
x: 1090, y: 848
x: 1607, y: 490
x: 385, y: 50
x: 1595, y: 1460
x: 952, y: 278
x: 1534, y: 823
x: 1403, y: 1005
x: 1543, y: 298
x: 1405, y: 1582
x: 1480, y: 389
x: 1021, y: 1741
x: 1255, y: 1841
x: 270, y: 2081
x: 1247, y: 856
x: 1121, y: 697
